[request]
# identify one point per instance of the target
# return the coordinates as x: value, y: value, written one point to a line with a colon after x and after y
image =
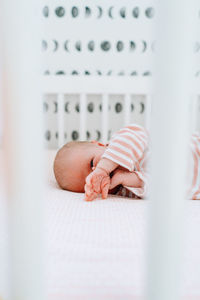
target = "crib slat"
x: 127, y: 112
x: 23, y: 147
x: 148, y: 104
x: 83, y: 112
x: 60, y: 120
x: 194, y: 112
x: 104, y: 119
x: 170, y: 136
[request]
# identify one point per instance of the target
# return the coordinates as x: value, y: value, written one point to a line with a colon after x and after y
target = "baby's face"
x: 79, y: 162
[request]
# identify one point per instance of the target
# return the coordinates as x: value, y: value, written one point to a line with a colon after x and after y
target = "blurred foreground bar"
x: 23, y: 147
x: 170, y: 137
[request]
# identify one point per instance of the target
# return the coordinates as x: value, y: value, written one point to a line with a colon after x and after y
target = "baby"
x: 95, y: 168
x: 116, y: 168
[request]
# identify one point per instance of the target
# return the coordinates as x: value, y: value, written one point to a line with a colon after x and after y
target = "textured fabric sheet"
x: 97, y: 250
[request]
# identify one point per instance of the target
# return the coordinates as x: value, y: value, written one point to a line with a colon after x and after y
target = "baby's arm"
x: 126, y: 149
x: 107, y: 165
x: 125, y: 178
x: 99, y: 180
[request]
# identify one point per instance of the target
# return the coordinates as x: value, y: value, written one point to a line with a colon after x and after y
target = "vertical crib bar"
x: 148, y: 103
x: 1, y: 98
x: 23, y: 147
x: 3, y: 252
x: 127, y: 109
x: 60, y: 120
x: 194, y: 113
x: 83, y: 111
x: 169, y: 133
x: 104, y: 120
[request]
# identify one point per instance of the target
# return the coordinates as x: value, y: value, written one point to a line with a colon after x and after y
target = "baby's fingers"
x: 105, y: 191
x: 88, y: 179
x: 89, y: 193
x: 90, y: 197
x: 96, y: 183
x: 105, y: 187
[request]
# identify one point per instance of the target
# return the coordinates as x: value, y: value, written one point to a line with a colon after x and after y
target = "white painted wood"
x: 194, y: 113
x: 60, y: 120
x: 1, y: 98
x: 23, y: 147
x: 148, y: 104
x: 170, y: 136
x: 96, y: 85
x: 127, y: 111
x: 104, y: 124
x: 83, y: 112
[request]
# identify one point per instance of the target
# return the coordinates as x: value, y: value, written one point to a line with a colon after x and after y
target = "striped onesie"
x: 129, y: 148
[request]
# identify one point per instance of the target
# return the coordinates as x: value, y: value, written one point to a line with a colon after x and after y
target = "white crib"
x: 95, y: 61
x: 93, y: 108
x: 96, y: 77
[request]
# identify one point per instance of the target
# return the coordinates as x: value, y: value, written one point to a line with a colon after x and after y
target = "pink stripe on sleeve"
x: 134, y: 139
x: 121, y: 151
x: 124, y: 142
x: 138, y: 134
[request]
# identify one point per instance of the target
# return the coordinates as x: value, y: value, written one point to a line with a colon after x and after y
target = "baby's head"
x: 74, y: 162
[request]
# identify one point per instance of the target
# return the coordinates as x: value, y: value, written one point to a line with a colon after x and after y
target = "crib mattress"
x: 97, y: 250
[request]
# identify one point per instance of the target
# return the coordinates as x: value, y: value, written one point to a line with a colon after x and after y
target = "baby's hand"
x: 97, y: 182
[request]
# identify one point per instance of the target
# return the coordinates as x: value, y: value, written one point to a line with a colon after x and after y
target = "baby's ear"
x: 98, y: 143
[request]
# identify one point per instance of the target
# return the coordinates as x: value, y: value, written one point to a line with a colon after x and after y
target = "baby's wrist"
x: 102, y: 169
x: 107, y: 165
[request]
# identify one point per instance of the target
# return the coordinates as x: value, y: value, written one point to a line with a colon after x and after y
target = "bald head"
x: 74, y: 162
x: 65, y: 163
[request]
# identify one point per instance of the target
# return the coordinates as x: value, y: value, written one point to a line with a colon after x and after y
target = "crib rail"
x: 84, y: 86
x: 104, y: 87
x: 169, y: 147
x: 23, y: 123
x: 23, y: 149
x: 98, y: 85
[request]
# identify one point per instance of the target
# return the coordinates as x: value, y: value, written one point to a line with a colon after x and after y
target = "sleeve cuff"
x: 131, y: 168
